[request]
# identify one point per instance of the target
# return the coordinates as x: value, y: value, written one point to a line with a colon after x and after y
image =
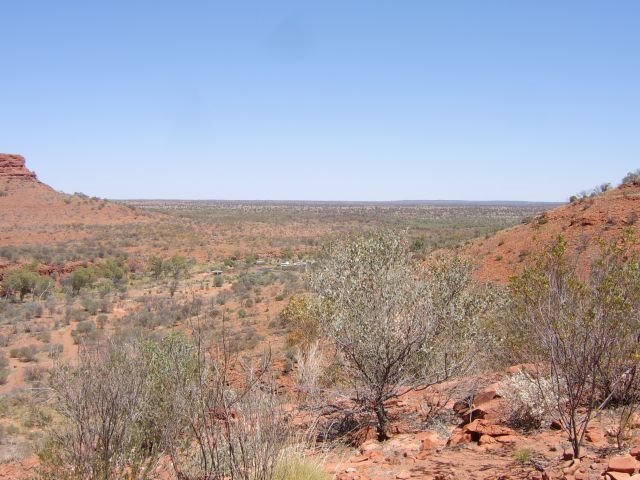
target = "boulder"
x: 623, y: 464
x: 483, y: 427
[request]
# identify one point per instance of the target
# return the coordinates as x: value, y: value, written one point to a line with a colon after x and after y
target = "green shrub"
x: 523, y: 455
x: 85, y: 331
x: 20, y: 282
x: 36, y: 418
x: 24, y: 354
x: 81, y: 278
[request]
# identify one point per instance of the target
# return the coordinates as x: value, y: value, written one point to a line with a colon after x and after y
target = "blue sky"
x: 344, y: 100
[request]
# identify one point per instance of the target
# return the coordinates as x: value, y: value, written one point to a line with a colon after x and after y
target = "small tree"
x: 103, y: 399
x: 580, y: 332
x: 298, y: 317
x: 21, y: 282
x: 176, y: 267
x: 81, y: 278
x: 395, y: 325
x: 155, y: 265
x: 129, y: 402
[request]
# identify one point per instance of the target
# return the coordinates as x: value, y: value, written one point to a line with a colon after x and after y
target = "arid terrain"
x: 93, y: 269
x: 583, y: 223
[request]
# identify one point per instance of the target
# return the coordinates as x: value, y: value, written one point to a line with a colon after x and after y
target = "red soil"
x: 32, y: 212
x: 582, y: 224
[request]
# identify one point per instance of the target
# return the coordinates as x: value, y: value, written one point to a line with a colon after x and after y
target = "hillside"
x: 31, y: 212
x: 582, y: 223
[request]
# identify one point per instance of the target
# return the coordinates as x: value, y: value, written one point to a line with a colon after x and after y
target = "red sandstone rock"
x: 625, y: 464
x: 13, y: 166
x: 486, y: 440
x: 617, y: 476
x: 482, y: 427
x: 429, y: 440
x: 595, y: 436
x: 458, y: 437
x: 486, y: 395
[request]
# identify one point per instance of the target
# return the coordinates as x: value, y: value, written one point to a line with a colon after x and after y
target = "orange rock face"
x: 13, y: 166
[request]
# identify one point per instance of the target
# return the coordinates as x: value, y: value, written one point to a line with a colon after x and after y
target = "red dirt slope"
x: 581, y: 223
x: 32, y: 212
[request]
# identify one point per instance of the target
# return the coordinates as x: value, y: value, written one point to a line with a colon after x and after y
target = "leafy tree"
x: 21, y: 282
x: 176, y: 267
x: 299, y: 318
x: 396, y: 325
x: 155, y: 266
x: 81, y: 278
x: 112, y: 270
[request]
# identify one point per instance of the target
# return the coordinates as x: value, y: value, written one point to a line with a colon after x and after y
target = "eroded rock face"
x: 13, y: 166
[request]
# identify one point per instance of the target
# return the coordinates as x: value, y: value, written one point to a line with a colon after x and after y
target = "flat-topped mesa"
x: 13, y: 166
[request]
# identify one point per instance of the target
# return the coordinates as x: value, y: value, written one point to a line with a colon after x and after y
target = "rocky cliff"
x: 13, y: 166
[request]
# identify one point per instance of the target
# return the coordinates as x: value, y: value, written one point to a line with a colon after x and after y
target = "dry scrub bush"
x: 130, y: 402
x: 529, y: 400
x: 238, y: 433
x: 581, y: 333
x: 103, y: 400
x: 310, y: 368
x: 395, y: 325
x: 632, y: 178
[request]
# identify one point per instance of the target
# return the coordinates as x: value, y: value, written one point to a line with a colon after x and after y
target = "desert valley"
x: 177, y: 339
x: 327, y: 240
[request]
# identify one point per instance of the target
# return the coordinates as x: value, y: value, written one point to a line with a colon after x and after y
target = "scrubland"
x: 267, y: 340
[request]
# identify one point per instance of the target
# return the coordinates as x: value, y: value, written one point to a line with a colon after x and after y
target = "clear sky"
x: 328, y: 100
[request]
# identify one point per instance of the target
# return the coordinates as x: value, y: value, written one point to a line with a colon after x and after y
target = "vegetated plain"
x: 305, y: 339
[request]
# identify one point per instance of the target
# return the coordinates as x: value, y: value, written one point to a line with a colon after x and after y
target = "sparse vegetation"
x: 395, y: 325
x: 632, y: 178
x: 358, y: 323
x: 579, y: 332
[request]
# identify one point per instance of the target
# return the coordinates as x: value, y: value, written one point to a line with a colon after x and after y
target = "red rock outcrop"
x: 13, y: 166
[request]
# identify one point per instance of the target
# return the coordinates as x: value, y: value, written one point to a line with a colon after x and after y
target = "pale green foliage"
x: 172, y: 367
x: 396, y: 324
x: 129, y: 402
x: 530, y: 400
x: 81, y: 278
x: 299, y: 318
x: 23, y: 282
x: 296, y: 467
x: 523, y: 455
x: 175, y: 268
x: 155, y: 266
x: 104, y: 399
x: 460, y: 308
